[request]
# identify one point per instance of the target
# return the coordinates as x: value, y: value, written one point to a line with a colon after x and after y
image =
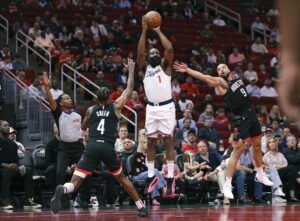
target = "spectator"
x: 124, y: 4
x: 262, y: 71
x: 188, y: 10
x: 10, y: 168
x: 128, y: 151
x: 206, y: 32
x: 218, y: 21
x: 257, y: 24
x: 42, y: 41
x: 275, y: 73
x: 117, y: 93
x: 275, y: 60
x: 186, y: 115
x: 252, y: 89
x: 190, y: 87
x: 258, y: 47
x: 55, y: 91
x: 268, y: 133
x: 175, y: 86
x: 267, y: 90
x: 34, y: 31
x: 211, y: 57
x: 209, y: 133
x: 212, y: 160
x: 182, y: 102
x: 276, y: 129
x: 122, y: 135
x: 192, y: 169
x: 207, y: 100
x: 21, y: 76
x: 191, y: 144
x: 18, y: 62
x: 35, y: 89
x: 236, y: 57
x: 95, y: 28
x: 285, y: 133
x: 140, y: 171
x: 207, y: 114
x: 134, y: 102
x: 221, y: 117
x: 6, y: 63
x: 273, y: 12
x: 275, y: 114
x: 292, y: 153
x: 245, y: 174
x: 181, y: 134
x: 274, y: 159
x: 13, y: 137
x: 250, y: 73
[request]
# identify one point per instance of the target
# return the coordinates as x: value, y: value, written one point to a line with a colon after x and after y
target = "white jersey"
x: 157, y: 85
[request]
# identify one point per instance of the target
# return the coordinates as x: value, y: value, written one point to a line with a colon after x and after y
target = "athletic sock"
x: 69, y: 188
x: 139, y: 204
x: 228, y: 180
x: 150, y: 165
x: 260, y: 171
x: 170, y: 166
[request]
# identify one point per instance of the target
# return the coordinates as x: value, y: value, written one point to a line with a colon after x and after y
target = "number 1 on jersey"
x: 159, y: 78
x: 101, y: 126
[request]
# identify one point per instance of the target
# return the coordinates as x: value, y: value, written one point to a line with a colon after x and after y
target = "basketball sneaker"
x: 143, y: 212
x: 262, y: 178
x: 151, y: 183
x: 227, y: 190
x: 56, y: 200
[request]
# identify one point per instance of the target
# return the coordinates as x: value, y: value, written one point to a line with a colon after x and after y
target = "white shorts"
x: 160, y: 119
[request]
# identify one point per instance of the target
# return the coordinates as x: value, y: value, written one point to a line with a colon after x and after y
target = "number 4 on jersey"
x: 101, y: 126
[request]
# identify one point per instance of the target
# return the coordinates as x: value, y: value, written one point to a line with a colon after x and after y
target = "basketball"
x: 153, y: 19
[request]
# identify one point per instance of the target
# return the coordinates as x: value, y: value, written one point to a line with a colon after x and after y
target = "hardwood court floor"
x: 188, y: 213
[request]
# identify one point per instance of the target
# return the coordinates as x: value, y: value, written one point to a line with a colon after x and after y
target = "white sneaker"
x: 227, y: 191
x: 279, y: 192
x: 278, y: 200
x: 262, y: 178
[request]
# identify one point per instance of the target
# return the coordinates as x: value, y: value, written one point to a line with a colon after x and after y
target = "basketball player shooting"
x: 160, y: 111
x: 243, y: 118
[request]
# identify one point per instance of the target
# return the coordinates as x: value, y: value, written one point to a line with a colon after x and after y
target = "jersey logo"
x: 76, y: 120
x: 152, y: 73
x: 236, y: 85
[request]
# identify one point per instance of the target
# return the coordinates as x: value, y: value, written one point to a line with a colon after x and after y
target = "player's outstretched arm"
x: 141, y: 58
x: 121, y: 101
x: 169, y: 54
x: 211, y: 81
x: 52, y: 102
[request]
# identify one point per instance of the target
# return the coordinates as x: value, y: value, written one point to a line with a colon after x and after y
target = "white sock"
x: 150, y: 165
x: 228, y: 180
x: 139, y: 204
x: 260, y: 171
x: 170, y: 166
x: 69, y: 187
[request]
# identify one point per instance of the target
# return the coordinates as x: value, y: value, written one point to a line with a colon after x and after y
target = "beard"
x: 154, y: 61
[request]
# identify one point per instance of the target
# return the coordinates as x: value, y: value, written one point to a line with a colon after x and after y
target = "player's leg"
x: 151, y: 132
x: 167, y: 126
x: 288, y: 87
x: 257, y: 156
x: 84, y: 168
x: 255, y: 137
x: 238, y: 148
x: 130, y: 189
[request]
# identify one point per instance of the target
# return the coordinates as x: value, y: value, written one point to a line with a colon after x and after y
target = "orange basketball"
x: 153, y: 19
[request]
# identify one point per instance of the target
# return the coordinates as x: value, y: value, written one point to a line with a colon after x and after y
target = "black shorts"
x: 94, y: 153
x: 246, y: 126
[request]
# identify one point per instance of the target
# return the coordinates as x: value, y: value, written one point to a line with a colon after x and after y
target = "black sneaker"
x: 151, y: 183
x: 4, y: 204
x: 30, y: 204
x: 56, y: 200
x: 170, y: 186
x: 143, y: 212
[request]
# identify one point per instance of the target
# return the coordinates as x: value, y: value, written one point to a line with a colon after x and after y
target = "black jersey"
x: 103, y: 123
x: 236, y: 98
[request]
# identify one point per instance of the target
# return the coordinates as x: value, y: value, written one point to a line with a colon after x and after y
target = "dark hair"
x: 103, y: 94
x: 58, y: 100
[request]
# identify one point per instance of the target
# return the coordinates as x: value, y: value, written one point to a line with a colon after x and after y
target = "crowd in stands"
x: 98, y: 47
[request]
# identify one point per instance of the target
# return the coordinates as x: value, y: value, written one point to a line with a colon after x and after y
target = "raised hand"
x: 180, y: 67
x: 46, y: 80
x: 144, y: 23
x: 130, y: 65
